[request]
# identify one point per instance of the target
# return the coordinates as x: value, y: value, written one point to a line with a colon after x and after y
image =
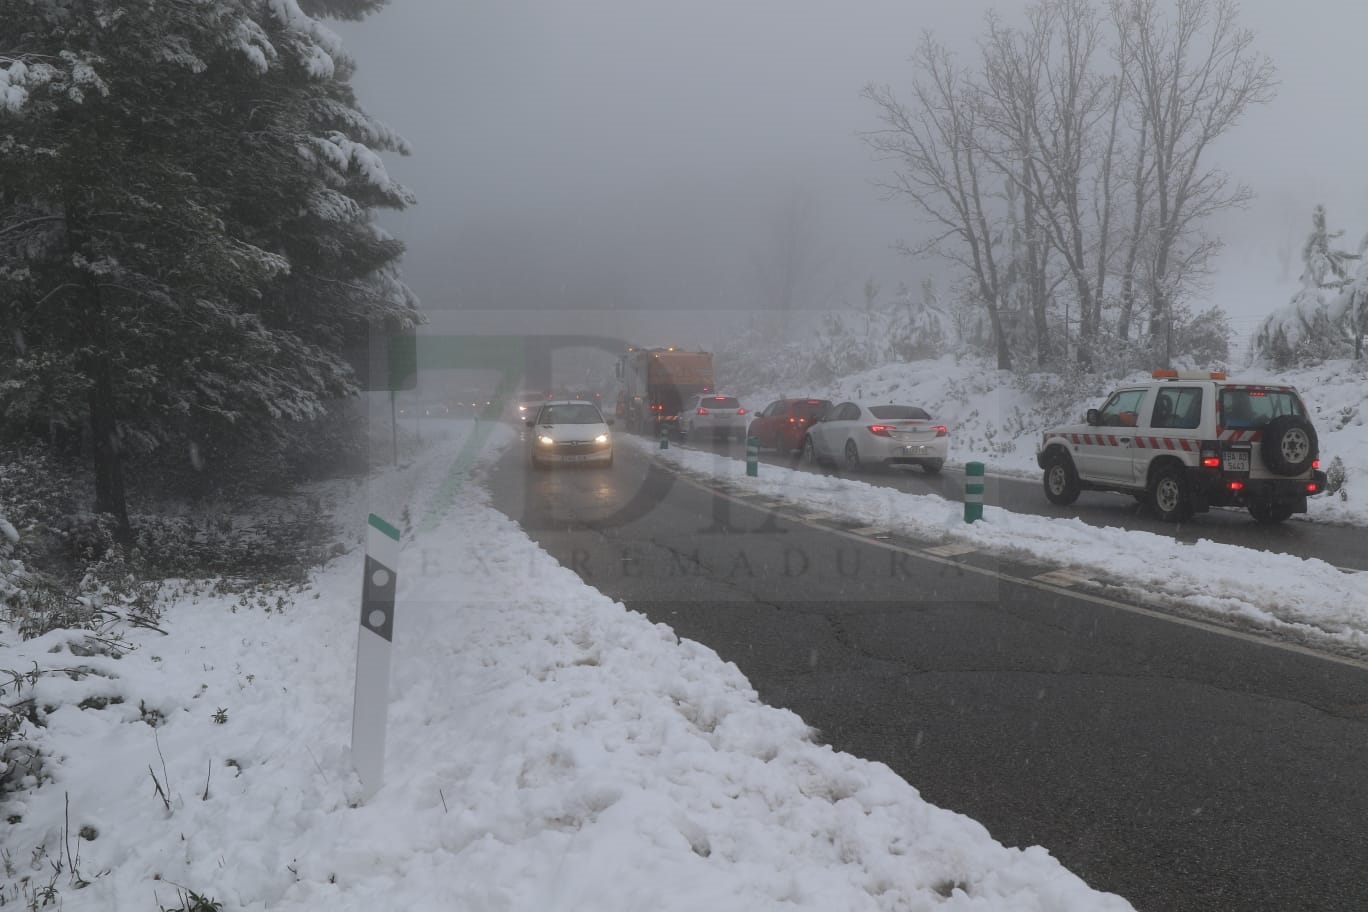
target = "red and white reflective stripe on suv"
x: 1142, y: 443
x: 1240, y: 435
x: 1094, y: 439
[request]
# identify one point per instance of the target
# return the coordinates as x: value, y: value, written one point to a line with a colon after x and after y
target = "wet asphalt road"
x: 1335, y: 544
x: 1181, y: 767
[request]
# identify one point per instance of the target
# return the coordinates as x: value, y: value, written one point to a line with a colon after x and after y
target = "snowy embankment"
x: 547, y: 749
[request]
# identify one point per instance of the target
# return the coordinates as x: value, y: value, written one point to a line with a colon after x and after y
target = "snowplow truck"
x: 655, y: 383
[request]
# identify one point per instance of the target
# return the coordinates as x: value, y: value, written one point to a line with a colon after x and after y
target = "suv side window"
x: 1177, y: 407
x: 1121, y: 409
x: 774, y: 408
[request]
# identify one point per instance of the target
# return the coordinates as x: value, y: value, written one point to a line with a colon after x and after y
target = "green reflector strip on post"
x: 382, y: 541
x: 378, y: 523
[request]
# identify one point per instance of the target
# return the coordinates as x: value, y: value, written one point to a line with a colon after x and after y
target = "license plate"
x: 1237, y: 460
x: 917, y: 450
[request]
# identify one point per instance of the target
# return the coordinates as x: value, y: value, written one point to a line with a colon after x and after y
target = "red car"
x: 782, y: 423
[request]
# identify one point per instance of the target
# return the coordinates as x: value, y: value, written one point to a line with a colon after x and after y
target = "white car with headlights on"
x: 569, y: 431
x: 852, y: 435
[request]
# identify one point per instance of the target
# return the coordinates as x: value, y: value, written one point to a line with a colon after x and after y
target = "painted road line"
x: 1209, y: 626
x: 951, y: 550
x: 1065, y: 578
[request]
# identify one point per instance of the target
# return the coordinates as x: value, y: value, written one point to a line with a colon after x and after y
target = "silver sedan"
x: 853, y: 434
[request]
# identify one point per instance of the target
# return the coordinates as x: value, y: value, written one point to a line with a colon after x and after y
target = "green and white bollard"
x: 664, y: 437
x: 371, y: 703
x: 973, y: 491
x: 752, y: 456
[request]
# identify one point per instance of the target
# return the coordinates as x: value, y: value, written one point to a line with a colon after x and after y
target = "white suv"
x: 708, y: 413
x: 1185, y: 442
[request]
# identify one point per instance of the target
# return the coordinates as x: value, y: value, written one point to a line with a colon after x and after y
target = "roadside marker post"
x: 375, y: 638
x: 752, y: 456
x: 973, y: 491
x: 664, y: 438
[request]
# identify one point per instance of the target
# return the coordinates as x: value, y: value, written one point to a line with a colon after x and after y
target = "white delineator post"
x: 373, y: 645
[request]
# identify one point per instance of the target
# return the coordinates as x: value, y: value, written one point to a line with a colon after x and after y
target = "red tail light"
x: 702, y: 410
x: 740, y: 411
x: 657, y: 408
x: 1312, y: 487
x: 1211, y: 462
x: 1315, y: 463
x: 942, y: 431
x: 1237, y: 486
x: 881, y: 430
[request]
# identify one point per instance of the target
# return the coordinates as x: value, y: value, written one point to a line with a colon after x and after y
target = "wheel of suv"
x: 1289, y: 445
x: 809, y: 453
x: 1168, y: 494
x: 932, y: 466
x: 1265, y: 512
x: 852, y: 456
x: 1061, y: 480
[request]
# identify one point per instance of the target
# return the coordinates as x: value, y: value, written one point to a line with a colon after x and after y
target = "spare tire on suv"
x: 1289, y: 446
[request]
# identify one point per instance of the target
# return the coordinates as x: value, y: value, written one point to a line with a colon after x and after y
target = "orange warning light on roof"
x: 1168, y: 373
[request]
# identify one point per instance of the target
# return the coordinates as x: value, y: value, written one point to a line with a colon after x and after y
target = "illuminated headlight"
x: 522, y: 408
x: 545, y: 441
x: 601, y: 439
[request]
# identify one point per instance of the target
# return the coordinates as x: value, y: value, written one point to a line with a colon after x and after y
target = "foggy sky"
x: 636, y: 153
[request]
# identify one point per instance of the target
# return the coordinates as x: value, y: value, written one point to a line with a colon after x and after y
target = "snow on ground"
x: 547, y: 748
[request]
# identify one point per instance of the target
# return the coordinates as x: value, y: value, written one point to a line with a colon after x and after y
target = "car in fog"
x: 525, y: 403
x: 722, y: 417
x: 569, y: 431
x: 854, y: 435
x: 782, y: 424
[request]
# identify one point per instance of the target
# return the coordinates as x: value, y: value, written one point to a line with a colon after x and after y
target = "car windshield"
x: 570, y: 413
x: 895, y: 412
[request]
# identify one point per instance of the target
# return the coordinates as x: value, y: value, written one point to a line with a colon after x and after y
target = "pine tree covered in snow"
x: 1328, y: 316
x: 185, y: 221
